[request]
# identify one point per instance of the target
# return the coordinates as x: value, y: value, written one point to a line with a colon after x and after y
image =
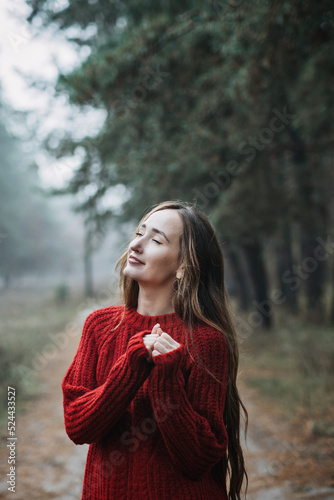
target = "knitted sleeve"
x: 194, y: 431
x: 91, y: 410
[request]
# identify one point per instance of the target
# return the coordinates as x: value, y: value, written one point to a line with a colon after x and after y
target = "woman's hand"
x: 164, y: 343
x: 159, y: 342
x: 151, y: 338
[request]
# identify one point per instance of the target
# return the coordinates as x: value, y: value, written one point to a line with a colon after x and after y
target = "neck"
x: 154, y: 303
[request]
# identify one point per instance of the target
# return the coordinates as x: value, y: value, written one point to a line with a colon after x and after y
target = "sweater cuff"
x: 170, y: 362
x: 136, y: 348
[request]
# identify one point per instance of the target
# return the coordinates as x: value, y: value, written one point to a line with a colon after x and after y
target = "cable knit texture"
x: 155, y: 429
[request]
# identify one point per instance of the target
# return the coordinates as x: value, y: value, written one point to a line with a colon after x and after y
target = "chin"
x: 129, y: 273
x: 126, y: 271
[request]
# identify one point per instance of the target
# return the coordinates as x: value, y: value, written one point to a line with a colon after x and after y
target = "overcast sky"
x: 32, y: 54
x: 28, y: 55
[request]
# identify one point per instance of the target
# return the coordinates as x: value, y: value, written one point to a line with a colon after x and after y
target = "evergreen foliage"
x: 226, y: 104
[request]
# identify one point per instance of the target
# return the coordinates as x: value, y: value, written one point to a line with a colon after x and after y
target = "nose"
x: 136, y: 246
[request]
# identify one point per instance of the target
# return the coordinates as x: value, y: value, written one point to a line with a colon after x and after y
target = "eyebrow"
x: 156, y: 231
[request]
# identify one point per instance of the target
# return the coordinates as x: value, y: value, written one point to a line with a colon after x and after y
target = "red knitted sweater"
x: 155, y: 430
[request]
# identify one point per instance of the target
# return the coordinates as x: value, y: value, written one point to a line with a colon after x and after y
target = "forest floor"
x: 284, y: 461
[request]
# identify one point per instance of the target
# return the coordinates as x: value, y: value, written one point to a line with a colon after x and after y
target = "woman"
x: 152, y: 387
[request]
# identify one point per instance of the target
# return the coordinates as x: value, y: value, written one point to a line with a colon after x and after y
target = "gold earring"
x: 179, y: 275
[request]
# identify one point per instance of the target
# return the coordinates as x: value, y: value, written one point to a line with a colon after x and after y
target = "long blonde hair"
x: 200, y: 296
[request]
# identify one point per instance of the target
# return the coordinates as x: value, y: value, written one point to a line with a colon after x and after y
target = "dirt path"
x: 50, y: 466
x: 284, y: 460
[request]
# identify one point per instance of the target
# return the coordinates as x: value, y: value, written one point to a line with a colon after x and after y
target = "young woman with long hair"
x: 152, y: 387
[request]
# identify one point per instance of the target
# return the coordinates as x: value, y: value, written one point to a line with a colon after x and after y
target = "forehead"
x: 167, y: 220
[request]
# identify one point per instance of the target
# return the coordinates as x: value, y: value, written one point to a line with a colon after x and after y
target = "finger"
x: 166, y: 336
x: 149, y: 345
x: 164, y: 348
x: 169, y: 343
x: 169, y: 339
x: 151, y: 336
x: 161, y: 347
x: 155, y: 328
x: 155, y: 353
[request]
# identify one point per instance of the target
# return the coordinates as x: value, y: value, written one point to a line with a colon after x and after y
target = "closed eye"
x: 156, y: 241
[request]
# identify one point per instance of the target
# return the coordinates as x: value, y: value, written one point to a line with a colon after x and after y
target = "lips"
x: 133, y: 260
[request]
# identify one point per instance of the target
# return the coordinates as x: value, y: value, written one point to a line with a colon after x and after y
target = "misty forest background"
x: 225, y: 104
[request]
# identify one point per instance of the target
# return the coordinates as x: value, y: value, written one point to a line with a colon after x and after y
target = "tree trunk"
x: 285, y: 264
x: 241, y: 287
x: 263, y: 306
x: 331, y: 317
x: 313, y: 272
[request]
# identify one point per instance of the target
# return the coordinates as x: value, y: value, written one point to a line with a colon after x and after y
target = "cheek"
x: 165, y: 263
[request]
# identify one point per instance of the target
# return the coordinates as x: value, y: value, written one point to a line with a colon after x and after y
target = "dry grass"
x: 291, y: 370
x: 29, y: 318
